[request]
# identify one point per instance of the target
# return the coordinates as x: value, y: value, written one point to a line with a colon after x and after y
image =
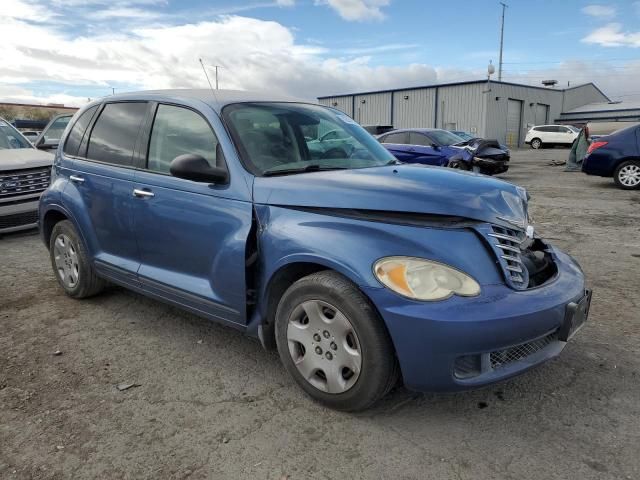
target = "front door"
x: 101, y: 184
x: 191, y: 235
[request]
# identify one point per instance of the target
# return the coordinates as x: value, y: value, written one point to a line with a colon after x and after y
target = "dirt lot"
x: 212, y: 404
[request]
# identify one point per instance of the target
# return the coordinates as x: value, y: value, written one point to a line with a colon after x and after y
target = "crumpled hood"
x: 19, y: 158
x: 410, y: 188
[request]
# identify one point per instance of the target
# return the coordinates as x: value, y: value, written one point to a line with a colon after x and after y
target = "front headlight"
x: 421, y: 279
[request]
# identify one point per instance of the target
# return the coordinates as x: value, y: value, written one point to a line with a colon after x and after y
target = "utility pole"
x: 504, y: 6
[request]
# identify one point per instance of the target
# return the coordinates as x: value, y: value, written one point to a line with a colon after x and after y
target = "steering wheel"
x: 335, y: 152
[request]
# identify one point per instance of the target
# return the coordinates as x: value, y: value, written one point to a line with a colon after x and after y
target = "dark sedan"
x: 432, y: 146
x: 616, y: 155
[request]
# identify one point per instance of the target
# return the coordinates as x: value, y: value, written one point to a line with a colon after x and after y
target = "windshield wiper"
x: 292, y: 171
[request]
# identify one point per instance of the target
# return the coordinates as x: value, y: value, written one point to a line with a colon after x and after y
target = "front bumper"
x: 489, y: 166
x: 431, y: 338
x: 18, y: 216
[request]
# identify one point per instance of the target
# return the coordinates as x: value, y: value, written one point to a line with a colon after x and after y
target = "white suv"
x: 551, y: 135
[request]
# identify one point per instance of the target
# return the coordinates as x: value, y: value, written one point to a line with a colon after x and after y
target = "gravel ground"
x: 210, y: 403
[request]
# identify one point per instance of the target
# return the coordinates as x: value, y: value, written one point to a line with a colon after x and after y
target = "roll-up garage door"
x: 542, y: 113
x: 514, y: 114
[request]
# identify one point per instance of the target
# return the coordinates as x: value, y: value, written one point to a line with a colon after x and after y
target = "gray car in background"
x: 25, y: 173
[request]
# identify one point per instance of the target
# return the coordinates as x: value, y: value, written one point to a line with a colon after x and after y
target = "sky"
x: 66, y: 51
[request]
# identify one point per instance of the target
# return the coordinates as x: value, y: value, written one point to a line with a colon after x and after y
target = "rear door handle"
x: 76, y: 179
x: 143, y: 193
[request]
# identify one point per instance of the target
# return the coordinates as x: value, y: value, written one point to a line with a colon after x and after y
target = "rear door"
x: 192, y: 235
x: 397, y: 144
x: 101, y: 187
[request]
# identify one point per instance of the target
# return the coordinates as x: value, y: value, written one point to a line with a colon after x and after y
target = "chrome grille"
x: 21, y: 182
x: 501, y: 358
x: 507, y: 243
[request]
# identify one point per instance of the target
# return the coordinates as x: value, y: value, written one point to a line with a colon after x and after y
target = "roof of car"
x: 414, y: 130
x: 217, y: 99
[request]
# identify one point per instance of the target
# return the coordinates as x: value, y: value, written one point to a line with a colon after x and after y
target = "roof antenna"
x: 209, y: 81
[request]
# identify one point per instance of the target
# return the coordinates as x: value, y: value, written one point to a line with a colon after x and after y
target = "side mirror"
x: 436, y: 147
x: 44, y: 144
x: 195, y: 167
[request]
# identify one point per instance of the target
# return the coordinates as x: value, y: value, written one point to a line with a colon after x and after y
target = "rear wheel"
x: 536, y: 143
x: 627, y: 175
x: 333, y: 343
x: 70, y: 262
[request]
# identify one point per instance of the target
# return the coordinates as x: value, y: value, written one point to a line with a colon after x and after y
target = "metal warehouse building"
x: 498, y: 110
x: 603, y: 112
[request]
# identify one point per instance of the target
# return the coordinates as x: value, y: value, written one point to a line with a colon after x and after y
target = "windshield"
x: 464, y: 135
x: 10, y: 138
x: 444, y: 138
x: 574, y: 129
x: 283, y: 138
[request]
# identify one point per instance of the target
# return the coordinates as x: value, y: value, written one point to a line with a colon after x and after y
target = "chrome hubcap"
x: 629, y: 175
x: 66, y: 260
x: 324, y: 346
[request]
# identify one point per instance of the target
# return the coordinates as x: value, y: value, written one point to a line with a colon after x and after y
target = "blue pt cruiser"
x: 361, y: 271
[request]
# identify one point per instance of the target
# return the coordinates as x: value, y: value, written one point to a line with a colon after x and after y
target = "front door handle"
x: 76, y: 179
x: 143, y: 193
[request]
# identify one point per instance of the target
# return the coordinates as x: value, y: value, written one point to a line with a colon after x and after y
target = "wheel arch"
x: 277, y: 283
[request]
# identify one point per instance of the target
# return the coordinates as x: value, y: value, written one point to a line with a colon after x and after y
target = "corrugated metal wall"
x: 462, y: 107
x: 465, y: 106
x: 373, y: 109
x: 582, y: 95
x: 497, y: 102
x: 344, y: 104
x: 580, y: 117
x: 417, y: 110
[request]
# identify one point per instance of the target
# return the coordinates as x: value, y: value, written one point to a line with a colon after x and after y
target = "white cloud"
x: 612, y: 35
x: 286, y: 3
x: 600, y: 11
x: 255, y: 55
x: 357, y: 10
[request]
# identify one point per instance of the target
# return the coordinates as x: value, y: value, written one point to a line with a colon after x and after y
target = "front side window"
x: 178, y: 131
x: 54, y: 132
x: 11, y: 138
x: 114, y: 134
x: 277, y: 138
x: 74, y: 138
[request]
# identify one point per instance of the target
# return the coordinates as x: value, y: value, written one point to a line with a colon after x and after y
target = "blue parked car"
x: 360, y: 271
x: 432, y: 146
x: 616, y: 155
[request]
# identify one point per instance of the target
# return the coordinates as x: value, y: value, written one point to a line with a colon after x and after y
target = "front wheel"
x: 627, y: 175
x: 459, y: 165
x: 333, y: 343
x: 536, y: 143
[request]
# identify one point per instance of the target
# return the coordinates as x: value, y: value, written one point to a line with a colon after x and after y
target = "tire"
x: 329, y: 346
x: 627, y: 175
x: 70, y: 262
x: 536, y: 143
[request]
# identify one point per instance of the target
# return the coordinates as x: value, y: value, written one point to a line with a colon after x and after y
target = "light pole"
x: 504, y: 7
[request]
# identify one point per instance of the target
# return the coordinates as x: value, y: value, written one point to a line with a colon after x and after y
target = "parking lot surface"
x: 207, y: 402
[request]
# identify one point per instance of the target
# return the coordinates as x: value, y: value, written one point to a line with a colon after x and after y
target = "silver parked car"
x: 25, y: 172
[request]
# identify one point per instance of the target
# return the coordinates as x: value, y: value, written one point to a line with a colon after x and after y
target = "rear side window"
x: 400, y: 137
x: 419, y: 139
x: 177, y: 131
x: 114, y: 134
x: 77, y: 132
